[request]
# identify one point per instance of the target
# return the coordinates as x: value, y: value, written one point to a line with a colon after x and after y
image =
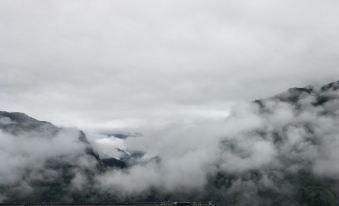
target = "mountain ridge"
x: 296, y: 125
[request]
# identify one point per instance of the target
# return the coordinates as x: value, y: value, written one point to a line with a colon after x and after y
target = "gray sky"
x: 122, y: 64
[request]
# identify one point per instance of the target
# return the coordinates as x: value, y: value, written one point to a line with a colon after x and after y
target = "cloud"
x: 257, y: 148
x: 29, y: 160
x: 260, y: 152
x: 79, y: 63
x: 174, y: 71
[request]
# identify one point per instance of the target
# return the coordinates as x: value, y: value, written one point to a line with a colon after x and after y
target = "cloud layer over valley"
x: 262, y: 152
x: 153, y: 100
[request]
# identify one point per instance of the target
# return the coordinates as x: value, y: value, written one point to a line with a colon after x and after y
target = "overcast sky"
x: 122, y: 64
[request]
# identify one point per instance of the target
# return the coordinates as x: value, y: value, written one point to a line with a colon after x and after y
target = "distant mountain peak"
x: 333, y: 86
x: 18, y: 117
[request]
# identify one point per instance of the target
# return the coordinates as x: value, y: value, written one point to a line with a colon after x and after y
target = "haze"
x: 126, y: 64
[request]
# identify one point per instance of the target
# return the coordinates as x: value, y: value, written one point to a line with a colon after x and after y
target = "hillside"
x: 282, y: 150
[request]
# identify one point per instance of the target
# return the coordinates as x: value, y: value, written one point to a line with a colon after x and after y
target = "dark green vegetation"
x: 319, y: 196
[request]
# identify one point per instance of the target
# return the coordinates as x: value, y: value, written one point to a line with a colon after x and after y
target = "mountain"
x: 301, y: 125
x: 282, y: 150
x: 18, y: 123
x: 56, y: 161
x: 296, y: 95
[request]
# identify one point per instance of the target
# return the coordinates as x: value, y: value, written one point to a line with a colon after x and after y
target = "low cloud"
x: 276, y: 141
x: 281, y: 146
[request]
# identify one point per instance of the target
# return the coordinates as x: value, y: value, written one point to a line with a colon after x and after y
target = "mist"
x: 280, y: 145
x: 175, y: 100
x: 111, y: 64
x: 281, y: 138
